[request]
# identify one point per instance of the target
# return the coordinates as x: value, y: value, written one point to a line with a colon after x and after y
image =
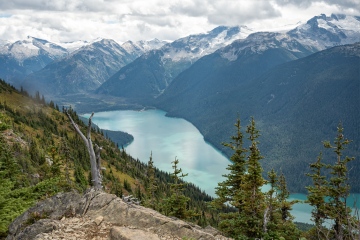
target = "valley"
x: 280, y: 101
x: 298, y: 84
x: 166, y: 138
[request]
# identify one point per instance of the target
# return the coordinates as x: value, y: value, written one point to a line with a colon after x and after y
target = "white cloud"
x: 122, y: 20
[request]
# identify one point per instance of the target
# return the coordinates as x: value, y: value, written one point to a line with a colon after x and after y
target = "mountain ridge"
x: 277, y: 106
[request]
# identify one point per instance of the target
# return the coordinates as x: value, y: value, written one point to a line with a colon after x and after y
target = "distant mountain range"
x: 298, y: 84
x: 24, y: 57
x: 69, y: 67
x: 149, y: 75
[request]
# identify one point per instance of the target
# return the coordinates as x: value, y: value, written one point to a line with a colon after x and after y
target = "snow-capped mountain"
x: 32, y: 47
x: 195, y: 46
x: 323, y: 32
x: 23, y: 57
x: 155, y: 70
x: 319, y: 33
x: 82, y: 71
x: 73, y: 46
x: 140, y: 47
x: 260, y: 42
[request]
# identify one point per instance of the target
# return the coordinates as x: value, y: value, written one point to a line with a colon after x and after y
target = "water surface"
x: 168, y: 138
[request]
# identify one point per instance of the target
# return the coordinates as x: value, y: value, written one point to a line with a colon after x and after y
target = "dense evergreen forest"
x: 41, y: 155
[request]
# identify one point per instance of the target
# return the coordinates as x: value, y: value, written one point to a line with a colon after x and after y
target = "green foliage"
x: 296, y: 103
x: 328, y: 195
x: 37, y: 135
x: 258, y: 215
x: 176, y: 204
x: 127, y: 186
x: 151, y: 185
x: 13, y: 202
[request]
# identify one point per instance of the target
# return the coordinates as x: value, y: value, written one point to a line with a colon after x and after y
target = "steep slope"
x: 137, y: 49
x: 41, y: 155
x: 297, y: 104
x: 73, y: 46
x: 232, y: 66
x: 82, y: 71
x: 149, y: 75
x: 27, y: 56
x: 323, y: 32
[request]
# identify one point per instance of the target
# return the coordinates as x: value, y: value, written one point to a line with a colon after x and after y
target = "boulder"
x: 103, y: 215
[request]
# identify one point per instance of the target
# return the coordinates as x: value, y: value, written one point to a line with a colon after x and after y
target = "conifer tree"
x: 328, y: 195
x: 283, y: 195
x: 258, y: 214
x: 176, y: 204
x: 339, y: 188
x: 271, y: 215
x: 316, y: 196
x: 150, y: 191
x: 228, y: 189
x: 253, y: 199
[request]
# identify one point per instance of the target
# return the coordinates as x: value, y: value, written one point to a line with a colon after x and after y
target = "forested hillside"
x: 40, y: 155
x: 297, y: 105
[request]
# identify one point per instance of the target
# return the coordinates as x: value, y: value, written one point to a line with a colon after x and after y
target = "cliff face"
x: 98, y: 215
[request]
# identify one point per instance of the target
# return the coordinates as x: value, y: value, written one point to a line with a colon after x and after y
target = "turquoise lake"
x: 168, y: 138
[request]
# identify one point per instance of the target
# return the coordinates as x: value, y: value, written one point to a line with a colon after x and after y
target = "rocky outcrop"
x: 98, y: 215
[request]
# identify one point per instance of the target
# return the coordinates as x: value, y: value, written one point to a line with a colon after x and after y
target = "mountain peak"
x: 327, y: 31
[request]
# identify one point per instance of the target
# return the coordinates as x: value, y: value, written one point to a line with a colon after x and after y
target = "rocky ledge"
x: 98, y: 215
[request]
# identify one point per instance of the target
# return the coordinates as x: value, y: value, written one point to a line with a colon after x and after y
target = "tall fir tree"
x: 258, y: 214
x: 176, y: 204
x: 316, y: 196
x: 252, y: 197
x: 329, y: 195
x: 271, y: 214
x: 228, y: 189
x: 339, y: 188
x: 151, y: 188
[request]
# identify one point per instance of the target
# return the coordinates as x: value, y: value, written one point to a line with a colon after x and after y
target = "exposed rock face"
x: 98, y: 215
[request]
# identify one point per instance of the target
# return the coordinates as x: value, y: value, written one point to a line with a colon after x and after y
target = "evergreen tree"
x: 258, y: 215
x: 253, y: 199
x: 338, y: 187
x: 227, y: 190
x: 283, y: 195
x: 230, y: 188
x: 316, y: 196
x: 328, y: 195
x: 242, y: 188
x: 271, y: 215
x: 176, y: 204
x: 151, y: 188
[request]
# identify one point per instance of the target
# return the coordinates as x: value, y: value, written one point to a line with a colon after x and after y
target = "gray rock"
x: 62, y: 204
x: 103, y: 210
x: 41, y: 226
x: 124, y: 233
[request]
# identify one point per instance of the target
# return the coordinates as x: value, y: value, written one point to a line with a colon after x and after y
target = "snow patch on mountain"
x: 317, y: 34
x: 140, y: 47
x: 73, y: 46
x: 32, y: 47
x: 194, y: 47
x: 328, y: 31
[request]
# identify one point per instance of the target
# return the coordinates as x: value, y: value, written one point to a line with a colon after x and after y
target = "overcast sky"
x: 122, y: 20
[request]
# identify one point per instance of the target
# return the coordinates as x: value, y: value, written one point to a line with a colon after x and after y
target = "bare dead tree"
x: 94, y: 156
